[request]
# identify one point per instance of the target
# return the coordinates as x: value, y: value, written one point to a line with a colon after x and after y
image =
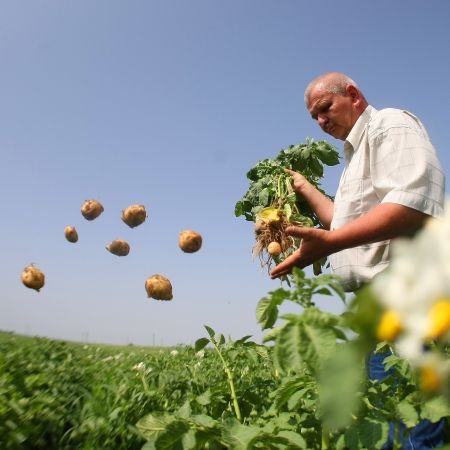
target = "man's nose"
x: 321, y: 120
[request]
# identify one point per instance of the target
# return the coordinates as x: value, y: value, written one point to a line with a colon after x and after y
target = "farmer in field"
x: 391, y: 183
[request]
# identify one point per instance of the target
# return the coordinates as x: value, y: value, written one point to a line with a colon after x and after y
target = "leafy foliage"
x: 307, y: 390
x: 273, y: 205
x: 302, y: 294
x: 270, y: 185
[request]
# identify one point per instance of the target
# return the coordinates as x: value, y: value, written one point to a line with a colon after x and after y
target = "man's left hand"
x: 315, y: 244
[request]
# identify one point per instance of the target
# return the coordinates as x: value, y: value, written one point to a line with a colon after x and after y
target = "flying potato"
x: 91, y: 209
x: 71, y: 234
x: 118, y: 247
x: 134, y: 215
x: 158, y: 287
x: 33, y: 278
x: 189, y: 241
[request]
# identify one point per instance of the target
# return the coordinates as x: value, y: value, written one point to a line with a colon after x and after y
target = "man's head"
x: 335, y: 102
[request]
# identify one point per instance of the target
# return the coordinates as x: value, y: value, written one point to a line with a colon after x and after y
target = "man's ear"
x: 353, y: 92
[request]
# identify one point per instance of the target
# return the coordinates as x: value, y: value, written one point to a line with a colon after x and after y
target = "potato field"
x: 59, y: 395
x: 305, y: 387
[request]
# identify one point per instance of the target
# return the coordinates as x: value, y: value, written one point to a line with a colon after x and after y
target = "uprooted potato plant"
x: 272, y: 204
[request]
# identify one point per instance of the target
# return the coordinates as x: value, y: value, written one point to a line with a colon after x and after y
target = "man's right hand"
x: 299, y: 182
x: 321, y: 204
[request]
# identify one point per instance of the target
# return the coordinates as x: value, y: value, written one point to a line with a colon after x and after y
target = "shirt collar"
x: 356, y: 133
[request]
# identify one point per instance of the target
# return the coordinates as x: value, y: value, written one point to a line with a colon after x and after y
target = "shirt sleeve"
x: 405, y: 168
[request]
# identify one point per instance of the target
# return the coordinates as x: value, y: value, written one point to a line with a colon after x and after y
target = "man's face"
x: 335, y: 113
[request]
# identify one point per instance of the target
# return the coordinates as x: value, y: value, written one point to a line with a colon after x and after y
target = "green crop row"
x: 304, y: 388
x: 60, y: 395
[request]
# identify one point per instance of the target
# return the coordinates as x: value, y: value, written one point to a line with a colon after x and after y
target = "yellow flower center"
x: 439, y: 319
x: 389, y: 327
x: 430, y: 381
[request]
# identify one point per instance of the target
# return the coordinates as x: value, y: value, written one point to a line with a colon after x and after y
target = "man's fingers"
x: 284, y: 267
x: 281, y: 269
x: 289, y: 171
x: 279, y: 272
x: 299, y: 258
x: 300, y: 232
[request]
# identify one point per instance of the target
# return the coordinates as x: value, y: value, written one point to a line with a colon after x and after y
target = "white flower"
x: 416, y: 283
x: 434, y: 371
x: 410, y: 347
x: 174, y: 352
x: 139, y: 367
x: 200, y: 354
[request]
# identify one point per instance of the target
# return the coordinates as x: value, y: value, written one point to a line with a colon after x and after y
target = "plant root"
x: 275, y: 231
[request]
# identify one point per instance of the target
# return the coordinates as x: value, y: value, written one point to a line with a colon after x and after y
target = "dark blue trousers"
x: 425, y: 435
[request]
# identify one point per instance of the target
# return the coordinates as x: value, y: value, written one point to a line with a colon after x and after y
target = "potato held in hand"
x: 71, y: 234
x: 158, y: 287
x: 33, y: 278
x: 119, y: 247
x: 134, y: 215
x: 274, y: 249
x: 91, y: 209
x: 190, y: 241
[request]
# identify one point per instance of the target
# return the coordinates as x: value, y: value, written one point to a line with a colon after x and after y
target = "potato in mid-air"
x: 118, y: 247
x: 189, y: 241
x: 158, y: 287
x: 33, y: 278
x: 134, y: 215
x: 91, y: 209
x: 71, y: 234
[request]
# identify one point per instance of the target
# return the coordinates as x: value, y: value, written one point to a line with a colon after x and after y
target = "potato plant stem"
x: 283, y: 190
x: 145, y: 384
x: 279, y: 192
x: 325, y: 439
x: 229, y: 373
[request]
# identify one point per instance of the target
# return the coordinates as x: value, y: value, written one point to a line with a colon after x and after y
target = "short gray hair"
x: 333, y: 82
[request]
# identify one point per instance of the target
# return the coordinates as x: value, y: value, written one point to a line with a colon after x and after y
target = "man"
x: 392, y: 182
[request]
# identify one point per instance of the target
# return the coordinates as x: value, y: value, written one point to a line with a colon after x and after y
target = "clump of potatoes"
x: 157, y: 286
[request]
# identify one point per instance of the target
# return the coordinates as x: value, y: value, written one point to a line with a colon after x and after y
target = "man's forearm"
x: 386, y: 221
x: 320, y: 203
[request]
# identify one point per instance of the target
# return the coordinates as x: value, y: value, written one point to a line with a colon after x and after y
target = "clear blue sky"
x: 169, y: 103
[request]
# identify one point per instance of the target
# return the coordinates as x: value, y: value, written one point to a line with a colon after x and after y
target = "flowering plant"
x: 408, y: 305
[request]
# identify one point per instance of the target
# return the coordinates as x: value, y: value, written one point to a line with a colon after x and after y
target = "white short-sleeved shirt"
x: 389, y: 159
